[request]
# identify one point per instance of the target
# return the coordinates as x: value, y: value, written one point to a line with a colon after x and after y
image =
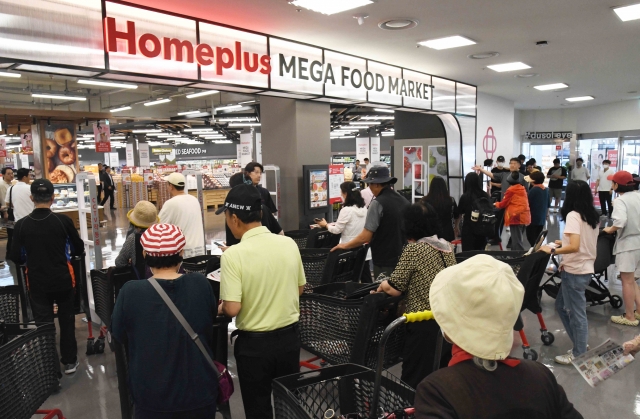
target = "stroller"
x: 596, y: 293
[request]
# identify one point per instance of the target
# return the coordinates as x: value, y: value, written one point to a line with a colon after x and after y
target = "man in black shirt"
x: 46, y: 241
x: 522, y: 158
x: 384, y: 224
x: 557, y: 174
x: 108, y: 186
x: 497, y: 186
x: 268, y: 220
x: 253, y: 173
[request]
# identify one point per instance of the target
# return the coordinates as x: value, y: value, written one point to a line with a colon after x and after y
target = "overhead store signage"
x: 181, y: 50
x: 161, y: 150
x: 558, y: 135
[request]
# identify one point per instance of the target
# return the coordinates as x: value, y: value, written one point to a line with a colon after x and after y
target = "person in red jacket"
x: 517, y: 214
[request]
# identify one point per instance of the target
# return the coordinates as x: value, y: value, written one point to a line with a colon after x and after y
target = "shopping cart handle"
x: 419, y: 316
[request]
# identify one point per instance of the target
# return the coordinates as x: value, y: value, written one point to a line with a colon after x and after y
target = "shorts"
x: 555, y: 193
x: 629, y: 262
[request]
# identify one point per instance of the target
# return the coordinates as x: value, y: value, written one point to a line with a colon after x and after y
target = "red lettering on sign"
x: 151, y: 46
x: 265, y: 61
x: 113, y: 35
x: 180, y: 47
x: 204, y: 53
x: 143, y: 45
x: 221, y: 63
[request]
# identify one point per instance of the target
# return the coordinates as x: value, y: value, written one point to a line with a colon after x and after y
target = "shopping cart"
x: 29, y: 368
x: 342, y: 323
x: 349, y: 390
x: 10, y: 303
x: 529, y: 269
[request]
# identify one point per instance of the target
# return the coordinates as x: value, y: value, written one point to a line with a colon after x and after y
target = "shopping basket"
x: 10, y: 304
x: 349, y: 390
x: 29, y: 368
x: 341, y: 330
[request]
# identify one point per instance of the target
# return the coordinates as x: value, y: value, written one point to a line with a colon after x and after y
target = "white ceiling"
x: 590, y: 49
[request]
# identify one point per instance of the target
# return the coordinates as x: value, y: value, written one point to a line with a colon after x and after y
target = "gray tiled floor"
x: 92, y: 391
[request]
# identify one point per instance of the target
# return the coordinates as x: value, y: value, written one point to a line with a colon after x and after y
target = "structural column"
x: 294, y: 133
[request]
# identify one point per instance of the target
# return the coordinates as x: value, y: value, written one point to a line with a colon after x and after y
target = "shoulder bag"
x: 11, y: 216
x: 225, y: 387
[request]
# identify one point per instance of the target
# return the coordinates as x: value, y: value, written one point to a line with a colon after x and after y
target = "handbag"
x: 225, y: 382
x: 10, y: 215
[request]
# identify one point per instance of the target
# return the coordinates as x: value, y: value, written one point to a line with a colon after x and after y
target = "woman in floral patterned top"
x: 422, y: 259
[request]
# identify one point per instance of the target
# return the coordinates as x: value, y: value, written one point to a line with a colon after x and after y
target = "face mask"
x: 500, y: 165
x: 606, y: 166
x: 247, y: 180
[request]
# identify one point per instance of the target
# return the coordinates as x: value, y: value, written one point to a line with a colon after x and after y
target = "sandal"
x: 624, y: 321
x: 633, y: 346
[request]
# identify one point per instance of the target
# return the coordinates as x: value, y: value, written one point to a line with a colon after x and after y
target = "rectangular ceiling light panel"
x: 626, y: 13
x: 579, y: 98
x: 330, y: 7
x: 508, y: 67
x: 448, y: 42
x: 553, y: 86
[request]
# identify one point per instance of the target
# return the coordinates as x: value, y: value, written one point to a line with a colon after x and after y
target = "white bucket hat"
x: 476, y: 303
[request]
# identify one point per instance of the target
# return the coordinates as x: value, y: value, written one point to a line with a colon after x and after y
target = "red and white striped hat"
x: 163, y: 240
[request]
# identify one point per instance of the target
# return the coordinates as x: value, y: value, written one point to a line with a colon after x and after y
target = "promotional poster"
x: 60, y: 152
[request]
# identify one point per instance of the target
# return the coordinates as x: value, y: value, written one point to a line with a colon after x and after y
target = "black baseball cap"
x: 242, y: 198
x: 500, y: 159
x: 41, y: 186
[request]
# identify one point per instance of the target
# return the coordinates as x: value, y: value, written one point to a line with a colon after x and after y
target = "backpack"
x: 485, y: 225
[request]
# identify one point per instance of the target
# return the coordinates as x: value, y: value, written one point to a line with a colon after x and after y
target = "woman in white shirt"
x: 578, y: 247
x: 627, y: 247
x: 351, y: 220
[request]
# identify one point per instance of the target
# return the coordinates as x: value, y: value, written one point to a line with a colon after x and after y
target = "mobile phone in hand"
x: 219, y: 243
x: 317, y: 220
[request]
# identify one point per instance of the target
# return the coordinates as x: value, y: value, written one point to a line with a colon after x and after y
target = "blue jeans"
x: 571, y: 304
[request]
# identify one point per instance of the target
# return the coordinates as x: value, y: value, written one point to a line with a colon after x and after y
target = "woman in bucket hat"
x: 141, y: 217
x: 476, y: 303
x: 168, y: 375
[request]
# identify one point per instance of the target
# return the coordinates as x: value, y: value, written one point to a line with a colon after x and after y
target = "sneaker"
x: 565, y: 359
x: 624, y: 321
x: 71, y: 368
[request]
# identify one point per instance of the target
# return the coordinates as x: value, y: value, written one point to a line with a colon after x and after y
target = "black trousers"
x: 419, y: 352
x: 260, y: 359
x: 42, y: 308
x: 605, y: 203
x: 99, y: 193
x: 108, y: 193
x: 472, y: 242
x: 9, y: 241
x: 532, y: 233
x: 207, y: 412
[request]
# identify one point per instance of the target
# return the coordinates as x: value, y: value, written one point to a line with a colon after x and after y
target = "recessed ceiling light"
x: 526, y: 75
x: 7, y: 74
x: 197, y: 129
x: 329, y: 7
x: 223, y: 108
x: 448, y: 42
x: 508, y: 67
x: 108, y: 84
x: 553, y: 86
x: 244, y: 124
x: 188, y: 112
x: 157, y: 102
x: 384, y: 110
x: 398, y: 24
x: 365, y: 123
x: 222, y: 141
x: 205, y: 93
x: 123, y: 108
x: 58, y: 97
x: 579, y: 98
x: 145, y: 131
x: 483, y: 55
x: 626, y: 13
x: 247, y: 119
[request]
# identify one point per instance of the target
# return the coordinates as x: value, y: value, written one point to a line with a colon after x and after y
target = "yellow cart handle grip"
x: 419, y: 316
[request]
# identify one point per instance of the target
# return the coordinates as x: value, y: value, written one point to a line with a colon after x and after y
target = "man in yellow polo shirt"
x: 262, y: 279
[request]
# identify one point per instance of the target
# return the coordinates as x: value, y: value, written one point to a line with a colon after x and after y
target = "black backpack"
x: 485, y: 225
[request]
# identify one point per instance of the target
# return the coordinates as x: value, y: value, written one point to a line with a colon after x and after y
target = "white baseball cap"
x: 476, y: 303
x: 176, y: 179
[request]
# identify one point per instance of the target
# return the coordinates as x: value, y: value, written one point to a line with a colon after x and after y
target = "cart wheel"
x: 98, y: 346
x: 530, y: 354
x: 90, y: 346
x: 547, y: 338
x: 615, y: 301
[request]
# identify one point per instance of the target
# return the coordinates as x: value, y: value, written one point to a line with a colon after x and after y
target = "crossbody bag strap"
x: 11, y: 196
x: 193, y: 335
